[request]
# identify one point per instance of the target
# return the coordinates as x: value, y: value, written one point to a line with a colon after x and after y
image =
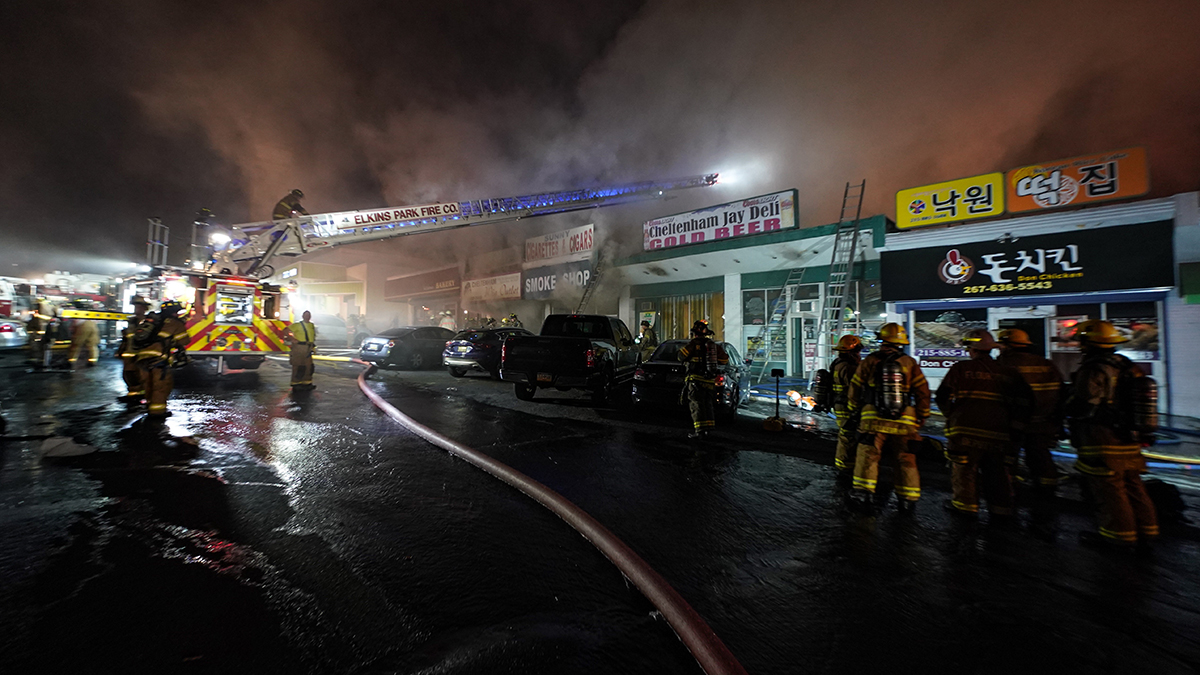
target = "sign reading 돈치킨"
x: 756, y: 215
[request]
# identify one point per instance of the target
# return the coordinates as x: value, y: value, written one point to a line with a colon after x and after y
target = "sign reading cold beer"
x: 767, y: 213
x: 542, y: 283
x: 1079, y: 180
x: 1100, y: 259
x: 951, y: 201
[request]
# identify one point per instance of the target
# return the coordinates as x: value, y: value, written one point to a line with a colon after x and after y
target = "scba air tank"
x: 891, y: 393
x: 1143, y: 395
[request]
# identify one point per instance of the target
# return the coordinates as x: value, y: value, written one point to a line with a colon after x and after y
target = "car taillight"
x: 6, y: 328
x: 639, y: 374
x: 391, y: 343
x: 504, y: 351
x: 720, y: 381
x: 590, y: 358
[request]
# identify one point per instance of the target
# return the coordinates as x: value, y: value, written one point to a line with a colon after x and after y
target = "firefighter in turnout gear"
x: 289, y: 206
x: 161, y: 339
x: 1111, y: 410
x: 85, y: 337
x: 42, y: 328
x: 302, y: 339
x: 1045, y: 424
x: 842, y: 371
x: 985, y: 404
x: 702, y: 359
x: 647, y: 340
x: 135, y: 383
x: 889, y: 401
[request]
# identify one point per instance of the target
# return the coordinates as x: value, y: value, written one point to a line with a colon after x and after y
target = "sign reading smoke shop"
x: 542, y: 283
x: 569, y: 245
x: 766, y: 213
x: 1100, y: 259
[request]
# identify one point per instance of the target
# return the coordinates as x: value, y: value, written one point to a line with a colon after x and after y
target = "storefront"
x: 428, y: 295
x: 731, y: 263
x: 1044, y: 274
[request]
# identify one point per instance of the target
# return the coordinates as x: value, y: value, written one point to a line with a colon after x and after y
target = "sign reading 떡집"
x: 950, y: 202
x: 766, y: 213
x: 1084, y: 261
x: 1079, y: 180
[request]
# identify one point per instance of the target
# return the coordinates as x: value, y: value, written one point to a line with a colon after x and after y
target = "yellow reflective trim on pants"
x: 965, y: 507
x: 913, y: 493
x: 1119, y: 536
x: 864, y: 484
x: 840, y: 463
x: 1149, y: 530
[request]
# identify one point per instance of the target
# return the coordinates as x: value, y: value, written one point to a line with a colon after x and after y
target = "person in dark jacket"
x: 289, y: 206
x: 702, y: 358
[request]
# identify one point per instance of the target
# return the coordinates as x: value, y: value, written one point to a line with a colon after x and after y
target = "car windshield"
x: 667, y: 351
x: 581, y: 326
x: 395, y: 332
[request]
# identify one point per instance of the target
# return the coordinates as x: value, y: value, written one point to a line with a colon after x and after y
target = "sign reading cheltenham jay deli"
x: 756, y: 215
x: 1079, y: 180
x: 1083, y: 261
x: 950, y: 202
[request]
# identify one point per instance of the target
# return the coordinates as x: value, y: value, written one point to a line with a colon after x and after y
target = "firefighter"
x: 647, y: 340
x: 512, y: 321
x: 135, y: 382
x: 447, y: 321
x: 160, y: 338
x: 302, y: 340
x: 289, y: 206
x: 889, y: 400
x: 985, y: 404
x: 41, y: 331
x: 702, y: 360
x: 85, y: 336
x: 842, y: 371
x: 1101, y: 413
x: 1042, y: 432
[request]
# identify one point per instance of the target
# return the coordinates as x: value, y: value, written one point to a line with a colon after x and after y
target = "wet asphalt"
x: 266, y: 531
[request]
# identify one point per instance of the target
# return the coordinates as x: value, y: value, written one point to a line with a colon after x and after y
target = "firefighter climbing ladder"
x: 845, y: 245
x: 591, y: 287
x: 773, y: 334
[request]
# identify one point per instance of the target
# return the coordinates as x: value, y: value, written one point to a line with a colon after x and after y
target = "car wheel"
x: 455, y: 371
x: 729, y: 412
x: 416, y: 361
x: 525, y: 392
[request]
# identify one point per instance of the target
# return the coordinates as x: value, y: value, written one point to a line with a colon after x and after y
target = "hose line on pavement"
x: 708, y: 650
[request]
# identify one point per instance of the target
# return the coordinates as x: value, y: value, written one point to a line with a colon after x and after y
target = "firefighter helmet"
x: 171, y: 307
x: 848, y: 343
x: 1014, y: 337
x: 139, y: 300
x: 1098, y: 333
x: 297, y: 193
x: 979, y: 338
x: 893, y: 333
x: 700, y: 328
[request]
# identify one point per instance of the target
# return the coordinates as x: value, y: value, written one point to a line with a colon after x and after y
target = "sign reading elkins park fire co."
x: 766, y: 213
x: 1084, y: 261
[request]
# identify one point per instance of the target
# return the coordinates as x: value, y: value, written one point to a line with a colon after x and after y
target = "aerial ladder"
x: 254, y: 246
x: 833, y: 313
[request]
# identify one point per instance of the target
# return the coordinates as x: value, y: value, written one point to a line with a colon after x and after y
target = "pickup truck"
x: 573, y: 351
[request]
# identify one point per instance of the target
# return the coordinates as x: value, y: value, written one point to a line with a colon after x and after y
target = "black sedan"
x: 413, y: 347
x: 659, y: 381
x: 477, y: 350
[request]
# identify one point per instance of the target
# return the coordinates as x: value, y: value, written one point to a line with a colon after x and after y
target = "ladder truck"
x: 238, y: 319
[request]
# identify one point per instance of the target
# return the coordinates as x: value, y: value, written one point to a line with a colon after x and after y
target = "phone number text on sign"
x: 1004, y: 288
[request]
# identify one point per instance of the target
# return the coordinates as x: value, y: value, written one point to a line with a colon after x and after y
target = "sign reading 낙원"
x: 756, y: 215
x: 951, y: 201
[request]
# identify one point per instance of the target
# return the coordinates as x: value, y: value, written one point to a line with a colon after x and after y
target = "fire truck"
x: 237, y: 318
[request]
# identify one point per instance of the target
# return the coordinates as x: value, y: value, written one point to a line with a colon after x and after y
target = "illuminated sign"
x: 757, y: 215
x: 950, y: 202
x: 1079, y: 180
x: 569, y: 245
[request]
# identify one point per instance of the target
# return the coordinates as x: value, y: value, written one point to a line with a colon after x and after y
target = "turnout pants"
x: 88, y: 343
x: 702, y: 405
x: 972, y: 457
x: 1042, y: 469
x: 302, y: 364
x: 160, y: 380
x: 866, y: 466
x: 135, y: 378
x: 1124, y: 510
x: 843, y: 459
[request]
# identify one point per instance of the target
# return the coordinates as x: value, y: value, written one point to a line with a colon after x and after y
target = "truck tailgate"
x: 551, y: 355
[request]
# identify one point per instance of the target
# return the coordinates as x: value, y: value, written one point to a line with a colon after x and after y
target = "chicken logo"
x: 956, y: 269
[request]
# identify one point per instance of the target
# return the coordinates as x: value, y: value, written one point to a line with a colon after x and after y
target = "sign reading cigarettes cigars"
x: 756, y: 215
x: 566, y: 246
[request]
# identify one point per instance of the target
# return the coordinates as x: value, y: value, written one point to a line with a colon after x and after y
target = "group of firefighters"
x: 994, y: 408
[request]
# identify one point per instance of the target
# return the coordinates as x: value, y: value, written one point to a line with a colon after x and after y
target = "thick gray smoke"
x: 141, y: 107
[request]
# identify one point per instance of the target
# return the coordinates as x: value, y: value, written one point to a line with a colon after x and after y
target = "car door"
x: 628, y: 354
x: 425, y: 340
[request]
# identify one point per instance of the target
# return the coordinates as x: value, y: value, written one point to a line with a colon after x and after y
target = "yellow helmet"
x: 1014, y: 337
x: 893, y: 333
x: 848, y: 343
x: 1098, y: 333
x: 978, y: 338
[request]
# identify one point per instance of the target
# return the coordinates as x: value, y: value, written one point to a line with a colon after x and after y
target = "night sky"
x: 115, y: 111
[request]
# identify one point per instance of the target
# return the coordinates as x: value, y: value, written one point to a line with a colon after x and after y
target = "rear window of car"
x: 579, y: 326
x: 667, y: 351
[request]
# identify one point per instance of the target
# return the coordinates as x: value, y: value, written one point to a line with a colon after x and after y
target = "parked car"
x: 573, y: 351
x: 12, y: 334
x: 658, y: 382
x: 477, y: 350
x: 413, y: 347
x: 333, y: 334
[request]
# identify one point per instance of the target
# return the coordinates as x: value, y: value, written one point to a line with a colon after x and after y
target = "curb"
x: 710, y: 653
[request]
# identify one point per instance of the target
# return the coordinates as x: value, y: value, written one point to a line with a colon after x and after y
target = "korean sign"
x: 505, y: 287
x: 767, y: 213
x: 573, y: 244
x: 952, y: 201
x: 1100, y: 259
x: 544, y: 282
x: 1079, y: 180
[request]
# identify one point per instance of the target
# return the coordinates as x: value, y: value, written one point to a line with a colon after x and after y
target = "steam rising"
x: 142, y: 108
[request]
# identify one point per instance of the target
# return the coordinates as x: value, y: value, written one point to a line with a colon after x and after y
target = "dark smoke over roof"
x: 120, y: 110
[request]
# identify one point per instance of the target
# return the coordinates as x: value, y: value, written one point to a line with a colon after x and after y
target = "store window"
x: 937, y: 335
x: 678, y: 313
